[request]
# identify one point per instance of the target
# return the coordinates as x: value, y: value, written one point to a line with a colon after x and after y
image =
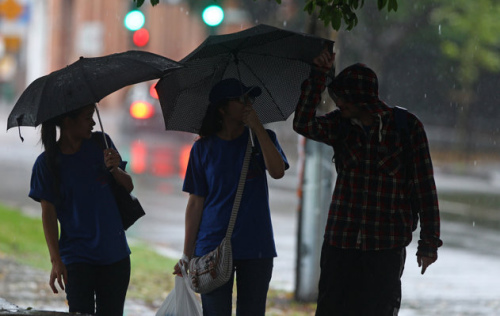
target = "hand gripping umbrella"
x: 276, y: 60
x: 85, y: 82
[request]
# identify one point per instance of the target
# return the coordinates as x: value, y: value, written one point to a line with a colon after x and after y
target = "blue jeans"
x: 98, y: 289
x: 360, y: 283
x: 252, y: 284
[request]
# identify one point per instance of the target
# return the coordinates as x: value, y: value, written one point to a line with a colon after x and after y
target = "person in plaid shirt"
x: 383, y: 185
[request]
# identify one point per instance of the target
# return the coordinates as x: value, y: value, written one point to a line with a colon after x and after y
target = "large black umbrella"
x: 273, y: 59
x: 84, y: 82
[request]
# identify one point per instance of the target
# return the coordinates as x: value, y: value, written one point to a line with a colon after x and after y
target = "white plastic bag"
x: 181, y: 301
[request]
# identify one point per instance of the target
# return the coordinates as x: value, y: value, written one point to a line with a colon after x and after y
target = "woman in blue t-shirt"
x: 211, y: 180
x: 90, y: 259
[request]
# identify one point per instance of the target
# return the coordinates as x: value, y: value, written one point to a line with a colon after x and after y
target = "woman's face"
x: 234, y: 109
x: 81, y: 126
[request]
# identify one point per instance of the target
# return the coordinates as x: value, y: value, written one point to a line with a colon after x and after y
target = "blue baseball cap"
x: 231, y: 88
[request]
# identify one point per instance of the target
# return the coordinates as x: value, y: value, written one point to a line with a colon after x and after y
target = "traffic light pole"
x: 314, y: 204
x: 316, y: 186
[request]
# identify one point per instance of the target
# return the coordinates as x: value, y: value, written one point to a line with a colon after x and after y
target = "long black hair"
x: 212, y: 122
x: 50, y: 145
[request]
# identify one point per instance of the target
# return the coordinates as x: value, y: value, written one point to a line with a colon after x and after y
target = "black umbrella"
x: 273, y: 59
x: 84, y: 82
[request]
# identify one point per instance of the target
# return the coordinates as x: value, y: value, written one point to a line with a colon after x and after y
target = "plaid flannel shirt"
x: 371, y: 207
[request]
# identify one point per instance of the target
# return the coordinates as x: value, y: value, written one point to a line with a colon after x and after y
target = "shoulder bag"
x: 214, y: 269
x: 128, y: 205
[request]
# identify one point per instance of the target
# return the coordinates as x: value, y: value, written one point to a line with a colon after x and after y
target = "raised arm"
x: 305, y: 121
x: 272, y: 158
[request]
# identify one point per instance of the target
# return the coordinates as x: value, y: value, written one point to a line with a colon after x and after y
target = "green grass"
x: 151, y: 278
x: 22, y: 239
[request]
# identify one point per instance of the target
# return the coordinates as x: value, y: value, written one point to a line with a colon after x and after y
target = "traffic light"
x: 134, y: 21
x: 213, y: 15
x: 152, y: 91
x: 141, y: 110
x: 140, y: 37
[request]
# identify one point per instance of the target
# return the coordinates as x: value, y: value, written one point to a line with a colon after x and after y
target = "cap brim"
x: 254, y: 91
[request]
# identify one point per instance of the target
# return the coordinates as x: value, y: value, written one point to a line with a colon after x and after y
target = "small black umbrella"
x: 84, y: 82
x: 273, y: 59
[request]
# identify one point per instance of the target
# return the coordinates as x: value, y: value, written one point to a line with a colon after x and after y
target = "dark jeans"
x: 252, y: 284
x: 360, y: 283
x: 98, y: 289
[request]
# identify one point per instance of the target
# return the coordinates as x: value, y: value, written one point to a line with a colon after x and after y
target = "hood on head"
x: 357, y: 84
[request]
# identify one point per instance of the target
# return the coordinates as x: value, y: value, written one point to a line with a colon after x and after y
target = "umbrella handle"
x: 100, y: 123
x: 251, y: 137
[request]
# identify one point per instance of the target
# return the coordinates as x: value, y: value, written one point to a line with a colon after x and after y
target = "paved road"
x: 463, y: 281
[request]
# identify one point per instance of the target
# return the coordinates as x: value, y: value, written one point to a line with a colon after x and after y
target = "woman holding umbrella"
x: 90, y: 261
x: 211, y: 180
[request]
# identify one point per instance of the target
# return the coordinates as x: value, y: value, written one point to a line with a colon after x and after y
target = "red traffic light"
x: 141, y: 37
x: 152, y: 91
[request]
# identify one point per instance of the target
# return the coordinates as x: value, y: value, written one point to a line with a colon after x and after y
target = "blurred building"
x: 40, y: 36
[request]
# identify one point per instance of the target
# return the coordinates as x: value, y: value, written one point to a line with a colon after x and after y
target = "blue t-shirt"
x: 213, y: 172
x: 91, y: 227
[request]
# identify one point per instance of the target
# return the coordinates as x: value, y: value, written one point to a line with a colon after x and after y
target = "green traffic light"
x: 134, y: 20
x: 213, y: 15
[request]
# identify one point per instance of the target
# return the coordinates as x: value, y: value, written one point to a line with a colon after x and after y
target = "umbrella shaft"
x: 100, y: 124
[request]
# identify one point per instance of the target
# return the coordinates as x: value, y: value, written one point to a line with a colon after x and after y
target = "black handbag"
x: 129, y: 206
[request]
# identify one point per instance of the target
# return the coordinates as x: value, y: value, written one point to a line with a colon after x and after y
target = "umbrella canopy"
x: 275, y: 60
x: 84, y: 82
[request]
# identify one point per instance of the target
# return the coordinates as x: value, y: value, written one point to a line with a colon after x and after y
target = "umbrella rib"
x: 247, y: 38
x: 38, y: 100
x: 265, y: 87
x: 273, y: 56
x: 80, y: 67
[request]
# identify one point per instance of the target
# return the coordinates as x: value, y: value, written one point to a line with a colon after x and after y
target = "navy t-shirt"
x: 213, y: 172
x: 90, y: 223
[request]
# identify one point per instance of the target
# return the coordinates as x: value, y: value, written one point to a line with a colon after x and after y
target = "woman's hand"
x: 250, y: 118
x: 58, y: 273
x: 177, y: 269
x: 51, y: 231
x: 112, y: 159
x: 183, y: 262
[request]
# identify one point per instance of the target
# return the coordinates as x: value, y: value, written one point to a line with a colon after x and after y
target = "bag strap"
x: 401, y: 118
x: 239, y: 191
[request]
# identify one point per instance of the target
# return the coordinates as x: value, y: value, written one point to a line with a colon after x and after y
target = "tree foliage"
x: 440, y: 59
x: 470, y: 36
x: 139, y: 3
x: 471, y: 42
x: 331, y: 12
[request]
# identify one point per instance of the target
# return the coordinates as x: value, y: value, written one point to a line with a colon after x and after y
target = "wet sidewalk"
x: 20, y: 285
x: 9, y: 309
x: 25, y: 290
